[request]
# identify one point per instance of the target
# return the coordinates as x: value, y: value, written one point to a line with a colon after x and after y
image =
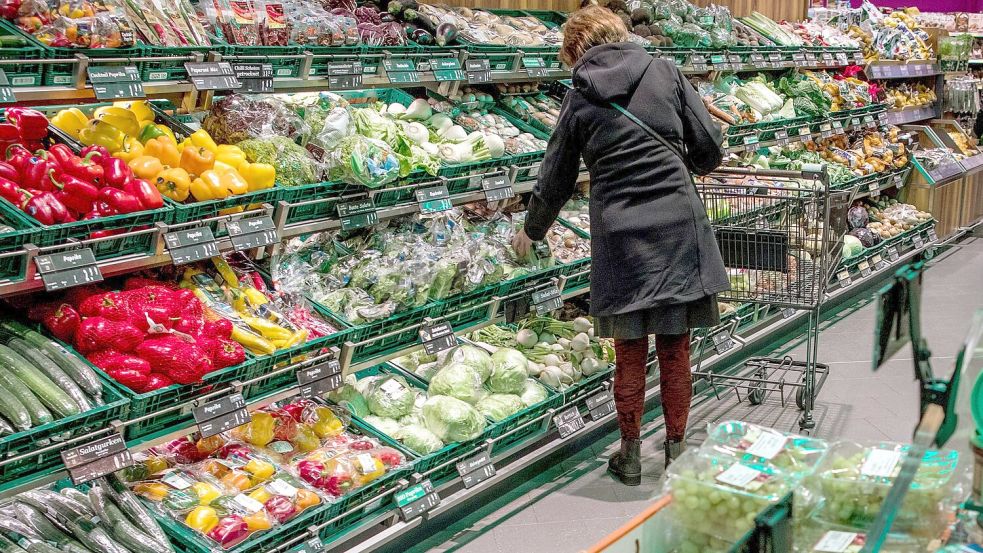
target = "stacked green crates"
x: 23, y: 72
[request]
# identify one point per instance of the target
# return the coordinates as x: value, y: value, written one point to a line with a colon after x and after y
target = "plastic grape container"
x: 854, y: 480
x: 721, y: 495
x: 814, y: 536
x: 792, y: 454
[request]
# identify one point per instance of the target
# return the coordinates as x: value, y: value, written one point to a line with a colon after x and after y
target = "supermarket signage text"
x: 212, y: 75
x: 312, y: 545
x: 221, y: 415
x: 255, y: 232
x: 116, y: 83
x: 320, y: 378
x: 569, y: 421
x: 96, y: 459
x: 447, y: 69
x: 357, y: 214
x: 255, y: 77
x: 478, y: 71
x: 437, y: 337
x: 475, y: 470
x: 416, y: 500
x: 401, y: 71
x: 345, y: 75
x: 600, y: 404
x: 433, y: 199
x: 497, y: 188
x: 190, y: 245
x: 547, y: 300
x: 67, y: 269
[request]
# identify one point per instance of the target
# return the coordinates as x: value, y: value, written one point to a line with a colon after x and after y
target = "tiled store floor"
x: 571, y: 503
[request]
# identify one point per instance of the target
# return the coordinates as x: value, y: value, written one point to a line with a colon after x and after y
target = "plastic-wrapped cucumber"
x: 72, y: 493
x: 98, y: 500
x: 131, y: 506
x: 128, y: 534
x: 10, y: 525
x: 50, y: 394
x: 6, y: 428
x: 47, y: 501
x: 50, y: 369
x: 75, y: 547
x: 7, y: 546
x: 14, y: 413
x: 95, y: 537
x: 38, y: 412
x: 72, y: 364
x: 40, y: 523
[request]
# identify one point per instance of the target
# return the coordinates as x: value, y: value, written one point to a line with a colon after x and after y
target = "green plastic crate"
x: 23, y: 73
x: 532, y: 122
x: 286, y: 60
x: 528, y: 422
x: 25, y: 230
x: 578, y: 271
x: 323, y: 198
x: 152, y: 71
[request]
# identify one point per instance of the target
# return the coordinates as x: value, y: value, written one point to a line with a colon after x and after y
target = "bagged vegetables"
x: 294, y: 165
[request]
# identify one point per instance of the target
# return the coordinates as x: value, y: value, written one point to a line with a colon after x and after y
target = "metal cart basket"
x: 778, y: 236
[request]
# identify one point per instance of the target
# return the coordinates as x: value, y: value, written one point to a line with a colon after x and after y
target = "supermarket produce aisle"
x: 568, y: 502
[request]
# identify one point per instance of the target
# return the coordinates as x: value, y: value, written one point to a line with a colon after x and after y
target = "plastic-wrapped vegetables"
x: 294, y: 165
x: 238, y: 117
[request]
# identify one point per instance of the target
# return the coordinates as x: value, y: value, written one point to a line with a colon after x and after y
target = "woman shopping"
x: 640, y: 127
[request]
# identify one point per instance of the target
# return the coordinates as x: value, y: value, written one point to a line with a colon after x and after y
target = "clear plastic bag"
x: 238, y: 117
x: 366, y: 161
x: 294, y: 164
x: 790, y: 453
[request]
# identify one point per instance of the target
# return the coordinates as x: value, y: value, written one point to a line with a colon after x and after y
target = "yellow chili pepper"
x: 164, y: 149
x: 255, y: 297
x: 146, y: 167
x: 260, y: 176
x: 154, y: 491
x: 253, y: 342
x: 269, y: 330
x: 202, y: 139
x: 197, y: 160
x: 70, y: 120
x: 175, y: 183
x: 132, y: 148
x: 225, y: 271
x: 231, y: 155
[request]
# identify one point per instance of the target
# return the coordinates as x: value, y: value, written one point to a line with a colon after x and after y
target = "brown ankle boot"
x: 673, y: 450
x: 626, y: 465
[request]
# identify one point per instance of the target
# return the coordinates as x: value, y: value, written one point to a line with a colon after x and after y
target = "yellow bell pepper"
x: 175, y: 183
x: 164, y: 149
x: 132, y: 148
x: 206, y: 492
x: 255, y: 297
x: 230, y: 155
x: 261, y: 494
x: 196, y: 160
x: 232, y: 210
x: 70, y: 120
x: 202, y: 519
x: 154, y: 491
x: 261, y: 470
x: 146, y: 167
x: 167, y: 132
x: 101, y: 133
x: 306, y: 499
x: 139, y: 108
x: 214, y: 184
x: 260, y: 176
x: 122, y: 119
x: 258, y: 521
x: 202, y: 139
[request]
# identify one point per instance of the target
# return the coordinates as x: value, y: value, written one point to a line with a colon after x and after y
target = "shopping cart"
x: 779, y: 234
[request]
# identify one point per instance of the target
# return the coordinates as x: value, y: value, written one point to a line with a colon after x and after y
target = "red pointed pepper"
x: 8, y: 171
x: 116, y: 173
x: 146, y: 193
x: 10, y: 191
x: 79, y: 194
x: 37, y: 206
x: 84, y: 168
x: 30, y: 123
x: 17, y: 156
x: 63, y: 322
x: 122, y: 202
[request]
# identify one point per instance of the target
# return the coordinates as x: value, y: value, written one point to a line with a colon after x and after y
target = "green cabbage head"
x: 452, y: 420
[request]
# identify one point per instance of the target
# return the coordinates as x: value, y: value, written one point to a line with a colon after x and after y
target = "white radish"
x: 526, y: 338
x: 580, y: 342
x: 551, y: 360
x: 582, y: 324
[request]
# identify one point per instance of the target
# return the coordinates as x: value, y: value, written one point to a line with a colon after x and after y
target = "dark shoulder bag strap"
x: 672, y: 148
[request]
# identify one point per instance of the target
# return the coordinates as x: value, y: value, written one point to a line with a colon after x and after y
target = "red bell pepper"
x: 10, y: 191
x: 116, y: 173
x: 8, y: 171
x: 8, y: 135
x: 30, y: 123
x: 61, y: 154
x: 103, y: 153
x: 105, y: 233
x: 79, y: 194
x: 37, y: 206
x: 103, y: 208
x: 122, y: 202
x: 17, y: 156
x: 147, y: 194
x: 35, y: 173
x: 89, y: 168
x: 63, y: 322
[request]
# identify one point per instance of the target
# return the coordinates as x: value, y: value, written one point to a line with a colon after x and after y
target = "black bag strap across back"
x: 672, y: 148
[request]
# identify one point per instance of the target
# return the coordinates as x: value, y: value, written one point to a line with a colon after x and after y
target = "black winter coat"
x: 651, y: 240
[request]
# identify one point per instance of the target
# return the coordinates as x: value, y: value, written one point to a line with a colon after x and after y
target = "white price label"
x: 366, y: 463
x: 767, y: 445
x: 838, y: 542
x: 280, y: 487
x: 739, y: 476
x: 248, y: 503
x: 881, y: 463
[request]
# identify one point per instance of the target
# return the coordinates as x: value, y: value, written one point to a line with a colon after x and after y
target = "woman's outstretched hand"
x: 521, y: 243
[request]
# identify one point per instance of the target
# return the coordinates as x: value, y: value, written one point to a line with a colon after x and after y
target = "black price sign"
x: 255, y: 77
x: 256, y: 232
x: 96, y: 459
x: 892, y: 254
x: 781, y: 137
x: 401, y: 71
x: 547, y: 300
x: 190, y: 245
x: 345, y: 75
x: 116, y: 82
x: 478, y: 71
x: 600, y: 405
x: 447, y: 69
x: 569, y: 421
x: 221, y: 415
x: 416, y: 500
x: 535, y: 67
x: 719, y: 62
x: 799, y: 58
x: 722, y: 342
x: 212, y: 75
x: 357, y: 214
x: 6, y: 91
x: 320, y: 378
x: 312, y: 545
x: 932, y: 236
x: 757, y: 60
x: 67, y: 269
x: 837, y: 127
x: 437, y: 337
x: 497, y: 188
x: 698, y: 62
x: 433, y: 199
x: 864, y: 268
x: 844, y: 278
x: 475, y: 470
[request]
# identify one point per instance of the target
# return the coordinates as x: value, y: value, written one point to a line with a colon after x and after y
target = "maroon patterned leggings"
x: 674, y: 378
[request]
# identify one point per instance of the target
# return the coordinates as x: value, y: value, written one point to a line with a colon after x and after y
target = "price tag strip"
x: 190, y: 245
x: 416, y: 500
x: 569, y: 421
x: 698, y: 62
x: 864, y: 267
x: 844, y: 278
x: 878, y: 262
x: 96, y: 459
x: 256, y: 78
x: 497, y: 188
x: 478, y: 71
x: 918, y: 242
x: 67, y: 269
x: 932, y: 236
x: 212, y: 75
x: 722, y: 342
x: 221, y: 415
x: 892, y: 254
x: 437, y: 337
x: 345, y: 75
x: 600, y: 404
x: 447, y: 69
x: 357, y: 214
x: 255, y: 232
x: 116, y: 83
x: 781, y: 137
x: 433, y: 199
x: 475, y: 470
x: 788, y: 313
x: 401, y: 71
x: 320, y: 378
x: 547, y: 300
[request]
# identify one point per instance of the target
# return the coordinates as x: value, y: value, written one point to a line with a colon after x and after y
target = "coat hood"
x: 610, y: 72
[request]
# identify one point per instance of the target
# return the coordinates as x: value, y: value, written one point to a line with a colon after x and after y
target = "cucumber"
x: 50, y: 395
x: 129, y: 504
x: 72, y: 493
x: 98, y: 498
x: 13, y: 411
x: 7, y: 546
x: 7, y: 429
x: 71, y: 363
x: 49, y: 369
x: 38, y: 412
x: 11, y: 526
x: 75, y: 547
x: 48, y: 502
x: 44, y: 527
x: 128, y: 534
x: 95, y: 537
